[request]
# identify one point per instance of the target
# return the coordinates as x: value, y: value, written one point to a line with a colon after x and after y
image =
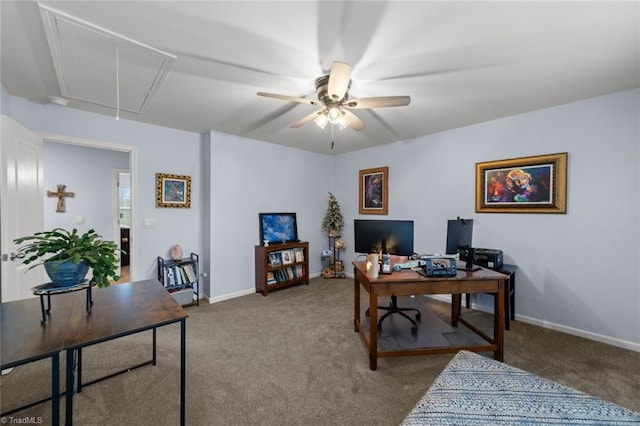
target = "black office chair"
x: 393, y: 308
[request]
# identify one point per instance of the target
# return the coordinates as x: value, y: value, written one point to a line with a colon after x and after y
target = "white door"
x: 22, y: 206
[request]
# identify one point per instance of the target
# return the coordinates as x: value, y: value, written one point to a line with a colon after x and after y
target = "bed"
x: 476, y: 390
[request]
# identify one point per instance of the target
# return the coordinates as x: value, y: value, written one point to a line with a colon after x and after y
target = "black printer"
x: 488, y: 258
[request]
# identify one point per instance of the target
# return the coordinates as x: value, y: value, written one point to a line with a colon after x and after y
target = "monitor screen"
x: 396, y: 236
x: 459, y: 235
x: 278, y: 227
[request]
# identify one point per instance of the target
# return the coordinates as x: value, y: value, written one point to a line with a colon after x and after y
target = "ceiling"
x: 461, y: 62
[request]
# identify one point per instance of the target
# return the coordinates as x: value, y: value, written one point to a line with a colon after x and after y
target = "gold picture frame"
x: 173, y: 190
x: 374, y: 191
x: 536, y: 184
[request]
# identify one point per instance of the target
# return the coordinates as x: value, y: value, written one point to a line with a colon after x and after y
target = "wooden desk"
x: 119, y: 310
x: 406, y: 283
x: 25, y: 340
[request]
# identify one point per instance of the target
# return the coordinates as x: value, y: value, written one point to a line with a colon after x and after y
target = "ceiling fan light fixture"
x: 334, y: 115
x: 321, y: 121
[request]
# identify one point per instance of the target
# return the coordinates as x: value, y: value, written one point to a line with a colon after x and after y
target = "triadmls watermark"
x: 25, y: 420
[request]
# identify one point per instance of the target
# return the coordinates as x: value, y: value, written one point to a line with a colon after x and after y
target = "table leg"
x: 356, y: 300
x: 79, y: 370
x: 183, y: 359
x: 373, y: 330
x: 456, y: 300
x: 44, y: 317
x: 154, y: 347
x: 55, y: 389
x: 507, y: 304
x: 498, y: 324
x: 68, y: 418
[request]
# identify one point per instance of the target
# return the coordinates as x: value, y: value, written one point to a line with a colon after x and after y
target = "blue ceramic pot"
x: 65, y: 273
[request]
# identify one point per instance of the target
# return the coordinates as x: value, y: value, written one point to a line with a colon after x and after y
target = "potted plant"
x: 333, y: 221
x: 71, y: 254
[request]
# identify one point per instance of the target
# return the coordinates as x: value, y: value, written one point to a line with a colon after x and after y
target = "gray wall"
x: 579, y: 271
x: 562, y: 282
x: 87, y: 172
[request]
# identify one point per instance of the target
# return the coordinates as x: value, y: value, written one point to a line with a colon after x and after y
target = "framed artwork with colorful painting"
x: 374, y: 191
x: 173, y: 190
x: 535, y: 184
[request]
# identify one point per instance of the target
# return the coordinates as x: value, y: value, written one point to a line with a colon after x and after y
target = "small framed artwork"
x: 374, y: 191
x: 173, y: 190
x: 286, y: 257
x: 274, y: 259
x: 535, y: 184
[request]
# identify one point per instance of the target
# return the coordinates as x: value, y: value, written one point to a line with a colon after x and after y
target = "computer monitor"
x: 459, y: 235
x: 394, y: 236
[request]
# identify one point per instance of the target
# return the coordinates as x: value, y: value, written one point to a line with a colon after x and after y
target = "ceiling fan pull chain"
x: 332, y: 138
x: 117, y: 83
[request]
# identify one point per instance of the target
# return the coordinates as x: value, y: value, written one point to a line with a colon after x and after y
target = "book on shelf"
x: 299, y: 254
x: 189, y: 272
x: 170, y: 279
x: 271, y: 279
x: 176, y: 273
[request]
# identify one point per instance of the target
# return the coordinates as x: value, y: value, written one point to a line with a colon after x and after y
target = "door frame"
x: 133, y: 171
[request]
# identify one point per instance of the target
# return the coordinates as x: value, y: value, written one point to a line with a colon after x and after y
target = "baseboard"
x: 240, y: 293
x: 229, y: 296
x: 632, y: 346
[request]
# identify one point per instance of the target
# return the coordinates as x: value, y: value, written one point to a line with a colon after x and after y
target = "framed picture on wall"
x: 173, y: 190
x: 374, y: 191
x: 535, y: 184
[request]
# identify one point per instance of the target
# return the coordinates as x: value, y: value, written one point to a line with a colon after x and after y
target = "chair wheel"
x: 418, y: 316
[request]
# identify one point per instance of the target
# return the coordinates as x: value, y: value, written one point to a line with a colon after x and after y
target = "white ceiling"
x: 461, y: 62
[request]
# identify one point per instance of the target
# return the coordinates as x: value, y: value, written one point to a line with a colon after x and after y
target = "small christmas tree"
x: 333, y: 221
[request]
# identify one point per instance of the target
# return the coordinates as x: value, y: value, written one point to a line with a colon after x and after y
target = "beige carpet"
x: 292, y: 358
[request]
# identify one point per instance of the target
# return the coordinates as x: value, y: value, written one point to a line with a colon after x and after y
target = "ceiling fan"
x: 334, y: 102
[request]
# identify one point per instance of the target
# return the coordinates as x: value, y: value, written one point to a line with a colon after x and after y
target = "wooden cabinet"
x: 281, y: 265
x: 181, y: 278
x: 333, y: 266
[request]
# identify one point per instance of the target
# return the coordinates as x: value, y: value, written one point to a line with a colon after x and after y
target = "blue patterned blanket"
x: 476, y: 390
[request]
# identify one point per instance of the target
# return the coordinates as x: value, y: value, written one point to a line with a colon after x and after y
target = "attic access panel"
x: 96, y: 65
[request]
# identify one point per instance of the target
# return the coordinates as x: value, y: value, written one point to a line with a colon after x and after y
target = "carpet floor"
x: 293, y: 358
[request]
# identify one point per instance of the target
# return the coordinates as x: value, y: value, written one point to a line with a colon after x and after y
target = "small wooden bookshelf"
x: 281, y: 265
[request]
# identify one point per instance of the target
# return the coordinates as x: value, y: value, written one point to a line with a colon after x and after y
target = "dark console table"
x: 509, y: 293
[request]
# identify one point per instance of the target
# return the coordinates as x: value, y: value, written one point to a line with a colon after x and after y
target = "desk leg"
x: 154, y: 347
x: 456, y: 300
x: 356, y: 301
x: 373, y: 330
x: 79, y: 370
x: 183, y: 369
x: 68, y: 418
x: 498, y: 321
x: 55, y: 389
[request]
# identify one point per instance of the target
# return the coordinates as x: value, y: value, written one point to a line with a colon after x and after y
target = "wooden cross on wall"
x: 60, y: 193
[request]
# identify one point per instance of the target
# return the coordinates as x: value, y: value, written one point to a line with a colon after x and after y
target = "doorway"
x: 113, y: 200
x: 122, y: 220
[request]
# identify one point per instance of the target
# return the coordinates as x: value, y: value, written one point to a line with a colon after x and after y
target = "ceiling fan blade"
x: 353, y: 121
x: 378, y: 102
x: 304, y: 120
x: 339, y: 79
x: 289, y: 98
